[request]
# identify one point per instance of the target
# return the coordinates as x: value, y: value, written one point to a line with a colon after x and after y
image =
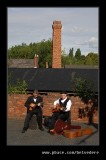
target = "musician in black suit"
x: 34, y: 105
x: 63, y: 112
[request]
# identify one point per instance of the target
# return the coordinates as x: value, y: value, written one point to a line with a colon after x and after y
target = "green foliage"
x: 78, y: 54
x: 84, y: 88
x: 45, y: 53
x: 20, y: 87
x: 71, y: 53
x: 65, y: 60
x: 92, y: 58
x: 44, y: 50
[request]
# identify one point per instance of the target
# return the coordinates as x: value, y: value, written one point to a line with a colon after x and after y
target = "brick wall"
x: 16, y: 109
x: 56, y: 55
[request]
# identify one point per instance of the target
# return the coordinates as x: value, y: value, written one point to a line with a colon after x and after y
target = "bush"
x: 20, y: 87
x: 84, y: 89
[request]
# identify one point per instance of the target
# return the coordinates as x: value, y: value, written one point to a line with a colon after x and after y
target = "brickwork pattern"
x: 56, y: 55
x: 16, y: 109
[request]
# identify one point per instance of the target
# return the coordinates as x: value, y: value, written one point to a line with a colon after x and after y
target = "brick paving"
x: 40, y: 138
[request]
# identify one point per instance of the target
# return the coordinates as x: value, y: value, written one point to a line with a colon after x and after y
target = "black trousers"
x: 38, y: 113
x: 58, y: 115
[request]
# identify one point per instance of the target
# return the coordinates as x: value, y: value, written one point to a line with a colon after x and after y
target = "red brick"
x: 16, y: 108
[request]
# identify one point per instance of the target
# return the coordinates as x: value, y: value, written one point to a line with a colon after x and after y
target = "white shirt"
x: 68, y: 106
x: 34, y: 99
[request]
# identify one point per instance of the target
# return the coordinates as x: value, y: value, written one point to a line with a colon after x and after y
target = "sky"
x: 80, y: 26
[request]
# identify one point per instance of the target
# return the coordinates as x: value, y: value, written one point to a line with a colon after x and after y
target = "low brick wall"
x: 16, y: 108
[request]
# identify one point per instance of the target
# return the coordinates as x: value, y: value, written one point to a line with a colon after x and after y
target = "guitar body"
x: 60, y: 126
x: 57, y: 109
x: 31, y: 108
x: 70, y: 131
x: 33, y: 105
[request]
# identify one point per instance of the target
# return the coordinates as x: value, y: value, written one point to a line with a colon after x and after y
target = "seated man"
x: 61, y: 110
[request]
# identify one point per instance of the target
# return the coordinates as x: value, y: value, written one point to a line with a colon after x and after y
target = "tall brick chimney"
x: 56, y: 53
x: 36, y: 58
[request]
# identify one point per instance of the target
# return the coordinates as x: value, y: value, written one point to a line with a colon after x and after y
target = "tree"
x: 92, y: 58
x: 78, y: 54
x: 71, y: 53
x: 65, y: 58
x: 84, y: 88
x: 88, y: 60
x: 43, y: 49
x: 82, y: 59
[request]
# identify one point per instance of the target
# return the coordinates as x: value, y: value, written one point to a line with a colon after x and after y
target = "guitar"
x: 58, y: 108
x: 60, y: 126
x: 33, y: 105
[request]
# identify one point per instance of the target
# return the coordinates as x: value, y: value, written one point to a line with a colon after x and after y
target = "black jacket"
x: 31, y: 100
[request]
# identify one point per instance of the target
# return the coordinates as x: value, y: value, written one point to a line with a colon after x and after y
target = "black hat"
x: 35, y: 91
x: 63, y: 92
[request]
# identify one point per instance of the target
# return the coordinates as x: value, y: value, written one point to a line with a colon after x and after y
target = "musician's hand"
x: 54, y: 106
x: 32, y: 105
x: 57, y: 106
x: 39, y: 104
x: 62, y: 109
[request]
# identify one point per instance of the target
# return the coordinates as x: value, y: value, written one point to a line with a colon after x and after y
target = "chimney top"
x: 56, y: 22
x: 36, y: 55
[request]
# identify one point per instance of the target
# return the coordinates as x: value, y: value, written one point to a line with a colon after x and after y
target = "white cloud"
x: 93, y: 42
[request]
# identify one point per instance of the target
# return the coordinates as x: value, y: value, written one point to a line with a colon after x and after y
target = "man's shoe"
x: 41, y: 129
x: 23, y: 131
x: 52, y: 131
x: 48, y: 131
